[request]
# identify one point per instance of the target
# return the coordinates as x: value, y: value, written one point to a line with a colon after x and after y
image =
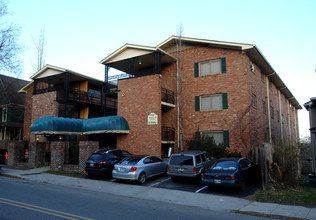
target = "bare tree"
x: 9, y: 48
x: 40, y: 51
x: 178, y: 45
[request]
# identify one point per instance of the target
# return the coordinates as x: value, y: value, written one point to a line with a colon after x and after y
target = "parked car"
x: 139, y: 168
x: 232, y: 172
x: 101, y: 162
x: 188, y: 164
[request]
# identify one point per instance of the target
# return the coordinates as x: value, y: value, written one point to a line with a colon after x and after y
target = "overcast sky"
x: 80, y: 33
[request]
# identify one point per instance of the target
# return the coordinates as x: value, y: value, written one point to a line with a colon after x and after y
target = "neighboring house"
x: 183, y: 85
x: 11, y: 109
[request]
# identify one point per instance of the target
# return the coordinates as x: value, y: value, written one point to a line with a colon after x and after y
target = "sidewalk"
x: 206, y: 201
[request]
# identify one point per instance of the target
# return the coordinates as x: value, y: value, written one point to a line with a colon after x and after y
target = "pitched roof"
x: 11, y: 86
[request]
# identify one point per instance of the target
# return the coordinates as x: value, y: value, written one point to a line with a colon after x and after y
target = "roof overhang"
x: 55, y: 75
x: 136, y: 57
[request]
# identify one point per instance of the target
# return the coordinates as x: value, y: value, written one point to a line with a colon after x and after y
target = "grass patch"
x: 64, y: 173
x: 303, y: 195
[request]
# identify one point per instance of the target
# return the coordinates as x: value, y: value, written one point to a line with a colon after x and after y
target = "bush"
x: 287, y: 157
x: 206, y: 143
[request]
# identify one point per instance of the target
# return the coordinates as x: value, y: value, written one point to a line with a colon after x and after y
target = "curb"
x: 267, y: 215
x: 12, y: 176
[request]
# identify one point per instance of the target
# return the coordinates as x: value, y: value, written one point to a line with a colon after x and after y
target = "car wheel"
x: 142, y: 178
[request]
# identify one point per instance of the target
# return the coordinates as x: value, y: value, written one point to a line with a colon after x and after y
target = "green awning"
x: 71, y: 126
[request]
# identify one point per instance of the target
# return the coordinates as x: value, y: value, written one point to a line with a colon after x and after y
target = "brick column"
x: 86, y: 148
x: 57, y: 158
x: 37, y: 154
x: 15, y: 153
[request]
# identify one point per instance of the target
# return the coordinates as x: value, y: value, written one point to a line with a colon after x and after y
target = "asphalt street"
x: 23, y: 199
x: 191, y: 185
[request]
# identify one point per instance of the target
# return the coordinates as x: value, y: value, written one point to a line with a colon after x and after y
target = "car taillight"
x: 167, y: 168
x: 103, y: 162
x: 229, y: 178
x: 114, y: 167
x: 194, y: 170
x: 206, y: 176
x: 133, y: 169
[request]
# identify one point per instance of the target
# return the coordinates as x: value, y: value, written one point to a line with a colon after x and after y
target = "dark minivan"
x: 101, y: 162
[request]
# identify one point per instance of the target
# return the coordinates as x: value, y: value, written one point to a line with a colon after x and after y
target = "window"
x: 94, y: 93
x: 262, y: 77
x: 211, y: 102
x: 220, y: 137
x: 4, y: 114
x: 254, y: 100
x: 198, y: 159
x: 264, y: 107
x: 210, y: 67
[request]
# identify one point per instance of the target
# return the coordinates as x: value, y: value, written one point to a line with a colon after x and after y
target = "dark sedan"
x: 101, y: 162
x: 232, y: 172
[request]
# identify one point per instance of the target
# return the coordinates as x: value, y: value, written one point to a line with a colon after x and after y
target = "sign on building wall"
x: 152, y: 119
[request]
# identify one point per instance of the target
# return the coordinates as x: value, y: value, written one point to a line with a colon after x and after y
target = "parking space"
x: 191, y: 185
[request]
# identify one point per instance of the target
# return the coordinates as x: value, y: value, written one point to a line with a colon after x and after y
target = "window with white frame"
x: 210, y: 67
x: 213, y: 102
x: 220, y: 137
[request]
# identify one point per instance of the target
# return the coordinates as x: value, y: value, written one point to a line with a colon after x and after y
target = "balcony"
x: 167, y: 99
x: 79, y: 96
x: 167, y: 135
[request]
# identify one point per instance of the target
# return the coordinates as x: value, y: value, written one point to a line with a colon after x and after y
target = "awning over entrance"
x: 71, y: 126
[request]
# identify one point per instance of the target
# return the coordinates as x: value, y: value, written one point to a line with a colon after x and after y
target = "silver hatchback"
x: 188, y: 164
x: 139, y: 167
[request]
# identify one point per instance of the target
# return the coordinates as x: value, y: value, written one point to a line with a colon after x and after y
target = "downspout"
x: 289, y: 118
x: 268, y: 101
x: 280, y: 114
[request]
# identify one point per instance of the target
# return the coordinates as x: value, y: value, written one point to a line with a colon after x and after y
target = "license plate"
x: 180, y: 170
x: 121, y: 169
x: 217, y: 181
x: 91, y: 164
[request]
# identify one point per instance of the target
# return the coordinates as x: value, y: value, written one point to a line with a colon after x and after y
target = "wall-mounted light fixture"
x: 60, y: 138
x: 140, y: 61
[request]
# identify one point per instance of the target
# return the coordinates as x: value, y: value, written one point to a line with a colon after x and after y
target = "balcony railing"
x: 167, y: 95
x: 84, y: 97
x: 167, y: 134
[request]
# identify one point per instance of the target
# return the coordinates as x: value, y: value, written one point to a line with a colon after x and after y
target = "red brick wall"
x: 43, y: 105
x: 27, y: 115
x: 234, y: 82
x: 138, y: 97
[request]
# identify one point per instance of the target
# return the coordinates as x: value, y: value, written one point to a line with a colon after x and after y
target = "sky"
x: 80, y: 33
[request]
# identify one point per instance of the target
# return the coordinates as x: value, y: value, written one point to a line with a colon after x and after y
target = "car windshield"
x: 131, y: 160
x: 225, y: 165
x: 181, y: 160
x: 97, y: 157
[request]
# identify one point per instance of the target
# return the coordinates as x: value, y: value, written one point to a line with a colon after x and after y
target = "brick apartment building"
x: 168, y: 92
x: 226, y: 90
